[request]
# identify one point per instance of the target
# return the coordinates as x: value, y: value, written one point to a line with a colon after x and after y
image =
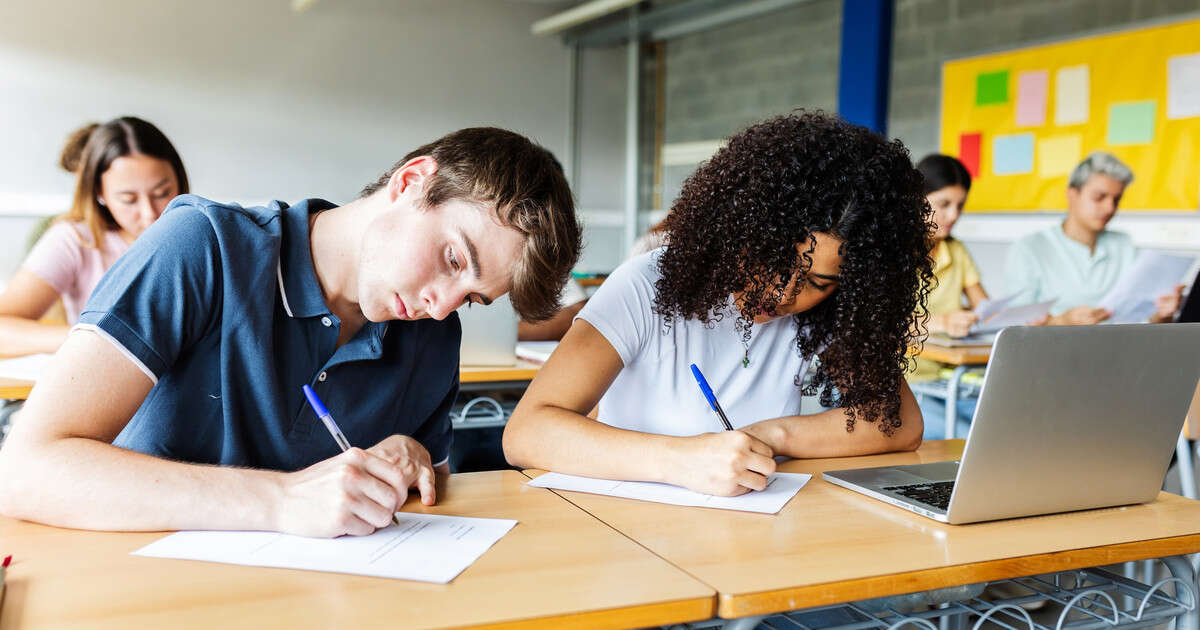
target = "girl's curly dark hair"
x: 735, y: 229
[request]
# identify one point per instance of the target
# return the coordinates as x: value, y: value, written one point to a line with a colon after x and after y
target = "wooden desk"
x: 14, y: 389
x: 956, y: 356
x: 522, y: 371
x: 830, y: 545
x: 962, y: 358
x: 559, y: 567
x: 594, y: 281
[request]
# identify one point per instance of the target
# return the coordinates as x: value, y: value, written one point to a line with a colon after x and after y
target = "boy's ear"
x: 411, y: 178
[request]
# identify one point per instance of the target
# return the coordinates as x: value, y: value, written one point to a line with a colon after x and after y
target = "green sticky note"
x: 991, y: 88
x: 1131, y: 123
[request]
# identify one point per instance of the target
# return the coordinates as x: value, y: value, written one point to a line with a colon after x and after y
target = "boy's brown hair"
x: 527, y: 186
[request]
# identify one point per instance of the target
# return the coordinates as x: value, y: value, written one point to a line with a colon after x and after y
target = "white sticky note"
x: 1183, y: 86
x: 1072, y: 96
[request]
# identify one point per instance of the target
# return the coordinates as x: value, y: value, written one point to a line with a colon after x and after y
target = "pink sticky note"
x: 1031, y: 98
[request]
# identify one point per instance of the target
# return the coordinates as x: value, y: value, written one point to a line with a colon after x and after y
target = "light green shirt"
x: 1049, y: 265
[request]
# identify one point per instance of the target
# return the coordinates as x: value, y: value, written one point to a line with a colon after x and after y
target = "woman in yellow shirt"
x: 946, y: 185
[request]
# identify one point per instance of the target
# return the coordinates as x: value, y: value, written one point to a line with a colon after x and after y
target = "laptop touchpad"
x: 936, y: 471
x: 888, y: 476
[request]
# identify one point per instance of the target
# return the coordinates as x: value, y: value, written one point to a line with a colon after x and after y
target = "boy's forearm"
x: 83, y: 483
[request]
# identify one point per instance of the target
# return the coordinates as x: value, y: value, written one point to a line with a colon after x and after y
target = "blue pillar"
x: 866, y: 62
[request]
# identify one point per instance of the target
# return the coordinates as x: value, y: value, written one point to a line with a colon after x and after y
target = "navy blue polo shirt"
x: 220, y: 306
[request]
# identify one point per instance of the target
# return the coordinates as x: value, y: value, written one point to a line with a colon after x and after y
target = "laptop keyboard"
x: 935, y: 493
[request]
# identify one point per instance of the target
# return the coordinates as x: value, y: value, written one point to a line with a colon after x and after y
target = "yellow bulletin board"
x: 1021, y: 120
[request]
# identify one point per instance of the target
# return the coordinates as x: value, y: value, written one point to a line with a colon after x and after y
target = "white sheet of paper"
x: 781, y: 487
x: 536, y: 351
x: 987, y: 308
x: 1153, y: 274
x: 424, y: 547
x: 1015, y: 316
x: 27, y: 368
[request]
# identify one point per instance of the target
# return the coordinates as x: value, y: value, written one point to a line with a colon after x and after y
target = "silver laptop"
x: 1069, y: 418
x: 489, y: 334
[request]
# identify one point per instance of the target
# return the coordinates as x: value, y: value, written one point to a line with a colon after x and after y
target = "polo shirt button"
x: 328, y: 322
x: 321, y: 377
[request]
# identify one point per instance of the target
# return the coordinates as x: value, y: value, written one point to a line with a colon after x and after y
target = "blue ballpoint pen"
x: 708, y: 395
x: 327, y: 420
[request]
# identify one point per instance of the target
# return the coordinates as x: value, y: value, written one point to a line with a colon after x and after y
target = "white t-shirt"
x: 656, y: 392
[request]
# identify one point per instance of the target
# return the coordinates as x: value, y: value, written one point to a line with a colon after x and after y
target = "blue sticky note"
x: 1012, y: 154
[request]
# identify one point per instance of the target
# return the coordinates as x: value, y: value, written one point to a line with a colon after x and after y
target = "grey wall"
x: 600, y: 191
x: 262, y: 102
x: 721, y: 80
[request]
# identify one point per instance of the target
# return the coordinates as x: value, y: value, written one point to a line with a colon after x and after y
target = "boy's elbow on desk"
x: 11, y: 482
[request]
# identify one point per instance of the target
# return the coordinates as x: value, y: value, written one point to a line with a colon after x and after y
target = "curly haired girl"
x: 804, y: 237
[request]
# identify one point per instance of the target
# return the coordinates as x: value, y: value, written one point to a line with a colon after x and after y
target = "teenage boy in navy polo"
x: 176, y: 402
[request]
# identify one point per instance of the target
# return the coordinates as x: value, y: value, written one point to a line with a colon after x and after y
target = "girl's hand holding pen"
x: 728, y: 463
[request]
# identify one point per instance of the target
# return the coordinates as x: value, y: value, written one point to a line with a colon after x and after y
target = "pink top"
x: 62, y: 259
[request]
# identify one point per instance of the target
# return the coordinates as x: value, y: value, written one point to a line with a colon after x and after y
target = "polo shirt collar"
x: 298, y: 285
x: 1092, y: 256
